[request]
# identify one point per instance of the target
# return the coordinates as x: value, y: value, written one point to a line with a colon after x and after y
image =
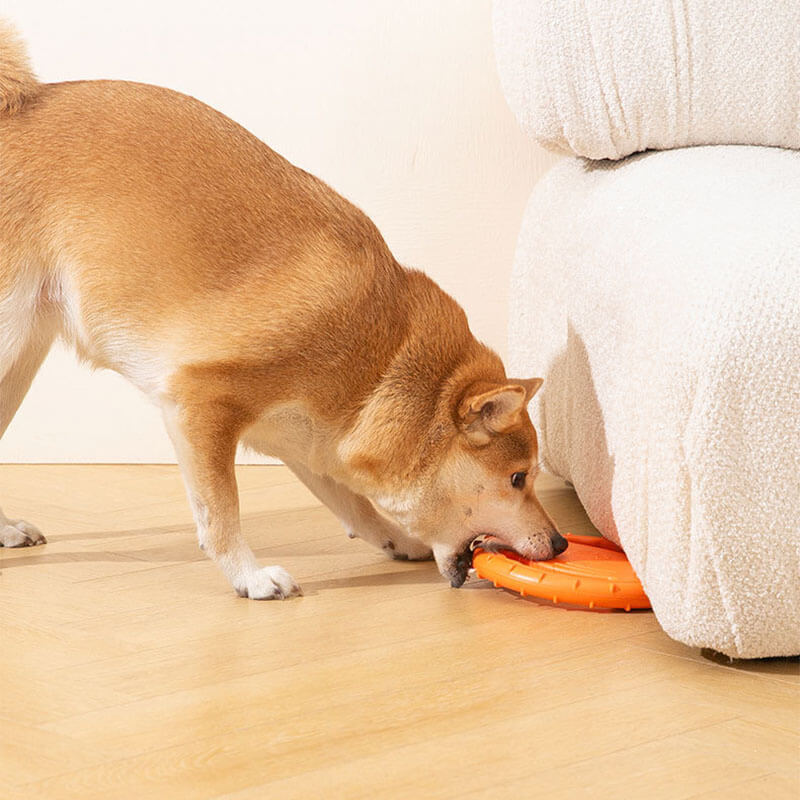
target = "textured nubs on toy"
x: 591, y: 572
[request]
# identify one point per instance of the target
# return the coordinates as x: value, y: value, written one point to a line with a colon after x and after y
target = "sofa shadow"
x: 609, y: 165
x: 781, y: 665
x: 587, y: 465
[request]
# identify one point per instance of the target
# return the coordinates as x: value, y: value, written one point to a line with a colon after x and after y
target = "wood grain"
x: 130, y: 669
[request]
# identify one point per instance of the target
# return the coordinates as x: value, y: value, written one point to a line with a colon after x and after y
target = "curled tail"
x: 17, y: 81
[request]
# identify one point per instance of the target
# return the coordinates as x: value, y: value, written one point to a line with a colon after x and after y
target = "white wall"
x: 396, y: 105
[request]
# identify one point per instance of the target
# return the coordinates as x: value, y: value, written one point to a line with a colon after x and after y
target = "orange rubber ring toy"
x: 591, y: 572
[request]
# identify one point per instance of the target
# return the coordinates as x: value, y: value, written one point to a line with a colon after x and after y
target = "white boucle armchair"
x: 658, y: 294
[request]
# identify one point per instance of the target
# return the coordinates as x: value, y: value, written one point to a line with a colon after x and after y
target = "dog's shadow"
x: 401, y: 577
x: 177, y: 544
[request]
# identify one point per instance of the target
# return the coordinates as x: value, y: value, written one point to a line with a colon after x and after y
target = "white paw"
x: 269, y: 583
x: 18, y: 533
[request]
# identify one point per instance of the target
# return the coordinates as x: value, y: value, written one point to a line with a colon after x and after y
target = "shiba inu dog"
x: 251, y: 303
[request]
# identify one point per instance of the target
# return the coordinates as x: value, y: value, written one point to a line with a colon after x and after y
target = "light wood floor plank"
x: 773, y: 787
x: 130, y: 669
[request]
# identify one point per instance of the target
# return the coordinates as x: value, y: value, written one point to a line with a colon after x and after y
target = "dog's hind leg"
x: 25, y: 339
x: 205, y: 437
x: 359, y: 517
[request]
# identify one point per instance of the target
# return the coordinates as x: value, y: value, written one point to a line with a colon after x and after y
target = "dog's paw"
x: 18, y: 533
x: 269, y: 583
x: 407, y: 550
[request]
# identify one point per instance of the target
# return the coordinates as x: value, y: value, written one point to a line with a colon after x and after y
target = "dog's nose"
x: 560, y: 544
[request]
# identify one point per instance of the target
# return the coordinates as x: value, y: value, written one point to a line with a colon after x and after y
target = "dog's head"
x: 481, y: 482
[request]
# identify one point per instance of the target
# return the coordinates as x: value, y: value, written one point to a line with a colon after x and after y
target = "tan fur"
x: 250, y: 302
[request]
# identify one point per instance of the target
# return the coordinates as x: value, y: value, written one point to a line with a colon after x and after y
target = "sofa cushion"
x: 659, y: 297
x: 604, y: 78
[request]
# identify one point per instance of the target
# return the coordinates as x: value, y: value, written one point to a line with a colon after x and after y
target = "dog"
x: 252, y: 303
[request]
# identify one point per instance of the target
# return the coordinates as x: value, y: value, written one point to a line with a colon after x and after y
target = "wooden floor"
x: 130, y: 669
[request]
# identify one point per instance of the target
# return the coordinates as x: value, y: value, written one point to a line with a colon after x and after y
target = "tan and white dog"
x: 251, y: 303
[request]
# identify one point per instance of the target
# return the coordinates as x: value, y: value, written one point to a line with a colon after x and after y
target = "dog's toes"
x: 270, y: 583
x: 18, y: 533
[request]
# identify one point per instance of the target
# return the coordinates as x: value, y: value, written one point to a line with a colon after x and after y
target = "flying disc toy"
x: 591, y: 572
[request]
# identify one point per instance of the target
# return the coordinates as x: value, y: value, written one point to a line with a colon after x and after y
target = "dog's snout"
x: 560, y: 544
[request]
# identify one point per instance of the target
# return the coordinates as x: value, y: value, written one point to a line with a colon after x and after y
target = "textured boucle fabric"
x: 659, y: 297
x: 606, y: 78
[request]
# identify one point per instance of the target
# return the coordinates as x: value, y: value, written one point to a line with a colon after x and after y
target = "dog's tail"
x: 17, y: 81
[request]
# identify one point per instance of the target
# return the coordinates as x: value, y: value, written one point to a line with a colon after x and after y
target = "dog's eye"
x: 518, y: 479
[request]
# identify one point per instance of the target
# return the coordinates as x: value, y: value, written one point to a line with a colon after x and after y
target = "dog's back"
x: 148, y: 221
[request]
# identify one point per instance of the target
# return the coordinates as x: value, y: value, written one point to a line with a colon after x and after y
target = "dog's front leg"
x: 205, y: 439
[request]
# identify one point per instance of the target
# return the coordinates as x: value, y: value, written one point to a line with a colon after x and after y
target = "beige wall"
x: 396, y: 105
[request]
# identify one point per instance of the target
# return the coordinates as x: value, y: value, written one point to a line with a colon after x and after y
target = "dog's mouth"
x: 490, y: 543
x: 459, y: 568
x: 459, y: 565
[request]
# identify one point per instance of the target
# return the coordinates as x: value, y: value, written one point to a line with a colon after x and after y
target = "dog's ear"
x: 485, y: 411
x: 531, y: 385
